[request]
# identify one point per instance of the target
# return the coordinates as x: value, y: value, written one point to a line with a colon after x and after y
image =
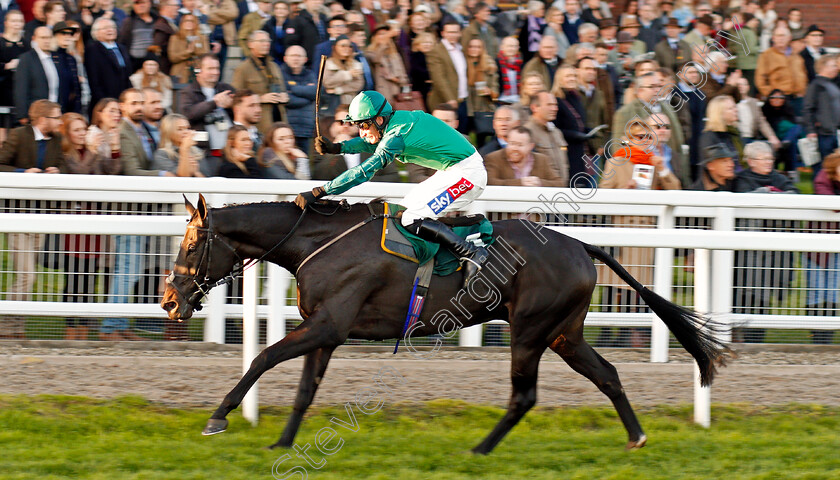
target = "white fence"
x: 725, y: 223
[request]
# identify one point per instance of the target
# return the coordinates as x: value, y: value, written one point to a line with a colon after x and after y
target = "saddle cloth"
x: 396, y: 240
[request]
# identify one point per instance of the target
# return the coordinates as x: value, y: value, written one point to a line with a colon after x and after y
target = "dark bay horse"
x: 352, y: 289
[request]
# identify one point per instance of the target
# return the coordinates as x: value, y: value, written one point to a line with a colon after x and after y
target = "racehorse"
x: 352, y: 289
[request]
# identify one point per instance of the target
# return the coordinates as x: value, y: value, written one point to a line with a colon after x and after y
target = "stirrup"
x: 477, y: 265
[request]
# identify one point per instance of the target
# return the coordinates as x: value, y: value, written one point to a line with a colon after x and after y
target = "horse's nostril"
x: 169, y: 306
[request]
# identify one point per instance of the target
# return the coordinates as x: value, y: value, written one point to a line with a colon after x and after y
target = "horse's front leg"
x: 317, y: 331
x: 314, y: 366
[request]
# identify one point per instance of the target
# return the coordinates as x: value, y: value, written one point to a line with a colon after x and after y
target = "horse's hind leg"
x: 314, y: 366
x: 523, y: 374
x: 586, y: 361
x: 317, y: 331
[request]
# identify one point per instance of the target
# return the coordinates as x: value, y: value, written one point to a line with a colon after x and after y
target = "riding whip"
x: 318, y: 97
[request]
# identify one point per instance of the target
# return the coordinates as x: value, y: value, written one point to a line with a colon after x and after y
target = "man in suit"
x: 813, y: 49
x: 572, y: 21
x: 448, y: 71
x: 262, y: 76
x: 505, y: 119
x: 650, y: 31
x: 36, y: 76
x: 336, y: 26
x: 107, y: 63
x: 672, y: 52
x: 518, y: 164
x: 34, y: 148
x: 308, y: 28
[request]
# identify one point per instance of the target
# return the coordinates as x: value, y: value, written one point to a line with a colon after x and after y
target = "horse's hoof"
x: 635, y: 445
x: 277, y: 445
x: 214, y: 426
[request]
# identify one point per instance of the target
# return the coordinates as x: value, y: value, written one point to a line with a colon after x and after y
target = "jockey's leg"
x: 447, y: 191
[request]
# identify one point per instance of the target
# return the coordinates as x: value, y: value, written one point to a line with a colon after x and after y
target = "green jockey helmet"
x: 368, y: 105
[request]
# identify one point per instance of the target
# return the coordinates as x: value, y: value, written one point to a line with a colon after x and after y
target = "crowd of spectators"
x: 546, y: 91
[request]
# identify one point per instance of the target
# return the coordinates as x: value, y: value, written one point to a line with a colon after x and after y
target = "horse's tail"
x: 695, y: 332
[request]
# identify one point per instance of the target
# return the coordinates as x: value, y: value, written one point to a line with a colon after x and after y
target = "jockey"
x: 419, y: 138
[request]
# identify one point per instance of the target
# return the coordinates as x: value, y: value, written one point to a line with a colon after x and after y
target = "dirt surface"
x: 200, y: 375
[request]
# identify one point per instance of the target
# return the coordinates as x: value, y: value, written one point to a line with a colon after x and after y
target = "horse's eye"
x: 191, y: 247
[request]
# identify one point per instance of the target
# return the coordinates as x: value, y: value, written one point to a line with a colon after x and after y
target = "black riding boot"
x: 435, y: 231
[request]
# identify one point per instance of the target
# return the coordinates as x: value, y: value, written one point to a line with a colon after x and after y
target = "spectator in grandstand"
x: 545, y: 63
x: 418, y: 68
x: 12, y: 46
x: 752, y: 124
x: 83, y: 251
x: 221, y: 16
x: 448, y: 72
x: 779, y: 114
x: 358, y: 37
x: 701, y: 33
x: 627, y: 41
x: 722, y: 127
x: 648, y: 102
x: 554, y: 28
x: 239, y: 155
x: 822, y: 270
x: 594, y: 104
x: 813, y: 49
x: 279, y: 157
x: 548, y: 139
x: 532, y: 30
x: 343, y: 74
x: 510, y: 70
x: 308, y: 28
x: 138, y: 144
x: 389, y: 73
x: 34, y: 148
x: 821, y: 113
x: 153, y: 111
x: 517, y: 164
x: 483, y: 87
x: 137, y: 32
x: 571, y: 118
x: 105, y: 123
x: 592, y: 13
x: 760, y: 275
x: 746, y: 58
x: 630, y: 9
x: 107, y: 63
x: 47, y: 14
x: 778, y: 69
x: 178, y: 153
x: 717, y: 169
x: 336, y: 26
x: 481, y: 29
x: 276, y: 28
x: 164, y: 27
x: 650, y: 30
x: 262, y: 76
x: 505, y: 118
x: 300, y: 85
x: 36, y: 75
x: 150, y: 76
x: 637, y: 141
x: 794, y: 22
x: 248, y: 113
x: 185, y: 47
x: 252, y: 22
x: 572, y: 20
x: 206, y: 103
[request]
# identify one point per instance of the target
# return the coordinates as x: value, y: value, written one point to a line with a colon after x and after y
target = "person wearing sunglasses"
x: 419, y: 138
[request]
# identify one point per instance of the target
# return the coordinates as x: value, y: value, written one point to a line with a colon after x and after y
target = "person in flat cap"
x: 69, y: 87
x: 717, y: 169
x: 813, y: 50
x: 701, y: 33
x: 671, y: 52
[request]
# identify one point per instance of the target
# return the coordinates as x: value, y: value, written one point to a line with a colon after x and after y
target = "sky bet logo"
x: 445, y: 199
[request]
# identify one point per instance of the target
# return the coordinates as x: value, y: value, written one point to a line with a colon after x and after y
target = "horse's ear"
x: 189, y: 206
x: 202, y: 207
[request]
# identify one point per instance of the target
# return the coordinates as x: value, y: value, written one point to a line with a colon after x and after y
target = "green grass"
x: 52, y: 437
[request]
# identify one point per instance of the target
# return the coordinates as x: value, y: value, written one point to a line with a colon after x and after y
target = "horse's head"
x: 204, y: 258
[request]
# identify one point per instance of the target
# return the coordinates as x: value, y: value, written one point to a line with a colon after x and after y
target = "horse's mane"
x: 322, y: 203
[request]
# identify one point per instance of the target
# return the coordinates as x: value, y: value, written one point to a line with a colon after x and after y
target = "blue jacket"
x: 300, y: 111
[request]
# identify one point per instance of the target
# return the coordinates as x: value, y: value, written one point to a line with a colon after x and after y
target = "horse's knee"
x: 611, y: 388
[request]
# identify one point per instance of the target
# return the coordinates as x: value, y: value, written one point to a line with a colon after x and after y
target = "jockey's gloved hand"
x: 305, y: 198
x: 324, y: 146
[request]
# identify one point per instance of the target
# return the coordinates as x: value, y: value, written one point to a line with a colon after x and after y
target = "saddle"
x: 396, y: 240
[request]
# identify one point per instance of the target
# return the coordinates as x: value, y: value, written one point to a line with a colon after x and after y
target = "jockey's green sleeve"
x: 410, y: 137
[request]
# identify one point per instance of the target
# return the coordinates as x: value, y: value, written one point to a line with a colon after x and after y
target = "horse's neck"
x: 254, y: 233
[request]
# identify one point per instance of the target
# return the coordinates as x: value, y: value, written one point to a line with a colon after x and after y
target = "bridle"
x: 205, y: 284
